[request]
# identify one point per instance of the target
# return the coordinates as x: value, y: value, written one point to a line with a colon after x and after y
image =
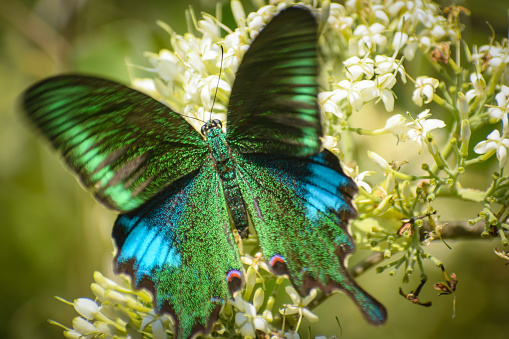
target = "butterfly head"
x: 211, y: 126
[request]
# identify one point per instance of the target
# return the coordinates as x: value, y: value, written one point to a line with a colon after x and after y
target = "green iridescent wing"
x: 273, y: 107
x: 300, y: 209
x: 179, y: 246
x: 124, y: 145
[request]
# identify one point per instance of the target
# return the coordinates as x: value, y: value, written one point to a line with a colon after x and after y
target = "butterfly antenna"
x: 217, y: 86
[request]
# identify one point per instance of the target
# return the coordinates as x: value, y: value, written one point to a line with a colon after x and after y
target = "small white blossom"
x: 146, y: 86
x: 384, y: 84
x: 352, y: 92
x: 395, y: 125
x: 257, y: 262
x: 87, y: 308
x: 82, y: 326
x: 498, y: 55
x: 357, y: 67
x: 157, y: 324
x: 422, y: 126
x: 479, y: 83
x: 425, y: 87
x: 385, y: 64
x: 502, y: 107
x: 438, y: 31
x: 328, y: 102
x: 329, y: 142
x: 339, y: 20
x: 299, y: 304
x: 494, y: 142
x: 238, y: 12
x: 410, y: 48
x: 381, y: 162
x: 367, y: 38
x: 399, y: 40
x: 359, y: 180
x: 247, y: 319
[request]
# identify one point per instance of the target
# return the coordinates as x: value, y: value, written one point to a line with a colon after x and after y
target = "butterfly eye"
x: 204, y: 129
x: 217, y: 123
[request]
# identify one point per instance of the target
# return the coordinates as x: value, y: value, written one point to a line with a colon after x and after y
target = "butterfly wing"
x: 300, y: 209
x: 273, y: 106
x: 124, y: 145
x: 179, y: 246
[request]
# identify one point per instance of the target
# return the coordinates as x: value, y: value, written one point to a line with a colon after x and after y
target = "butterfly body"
x: 224, y: 162
x: 180, y: 192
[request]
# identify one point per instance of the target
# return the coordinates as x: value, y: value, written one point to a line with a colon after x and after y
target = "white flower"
x: 479, y: 83
x: 425, y: 87
x: 438, y: 31
x: 367, y: 39
x: 384, y: 83
x: 502, y: 107
x: 385, y: 64
x: 256, y: 262
x: 157, y: 324
x: 399, y: 40
x: 339, y: 19
x: 422, y: 126
x: 356, y: 67
x: 328, y: 102
x: 329, y: 142
x: 497, y: 55
x: 359, y: 180
x: 83, y: 326
x: 238, y: 12
x: 352, y: 92
x: 395, y: 125
x: 87, y: 308
x: 146, y: 85
x: 247, y: 319
x: 381, y: 162
x: 494, y: 142
x: 299, y: 304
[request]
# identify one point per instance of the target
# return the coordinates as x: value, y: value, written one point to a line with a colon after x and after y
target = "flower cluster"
x: 117, y: 311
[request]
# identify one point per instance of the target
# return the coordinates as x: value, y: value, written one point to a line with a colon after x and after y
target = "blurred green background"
x: 53, y: 235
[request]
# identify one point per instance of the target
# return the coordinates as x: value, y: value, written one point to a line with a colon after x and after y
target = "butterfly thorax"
x: 224, y: 162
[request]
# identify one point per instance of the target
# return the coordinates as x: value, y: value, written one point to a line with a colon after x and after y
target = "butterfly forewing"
x: 124, y: 145
x: 273, y: 107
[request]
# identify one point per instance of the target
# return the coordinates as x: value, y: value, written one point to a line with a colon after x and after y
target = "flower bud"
x: 381, y: 162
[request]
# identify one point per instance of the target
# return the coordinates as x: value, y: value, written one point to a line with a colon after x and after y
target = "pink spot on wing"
x: 233, y: 274
x: 275, y: 259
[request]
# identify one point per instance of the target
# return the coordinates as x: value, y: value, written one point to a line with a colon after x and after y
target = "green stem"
x: 481, y: 158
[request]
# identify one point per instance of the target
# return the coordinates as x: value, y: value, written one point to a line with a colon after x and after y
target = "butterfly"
x: 179, y: 192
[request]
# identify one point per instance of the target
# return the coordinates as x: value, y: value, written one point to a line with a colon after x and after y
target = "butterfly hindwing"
x: 300, y: 209
x: 273, y: 107
x: 179, y: 246
x: 124, y: 145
